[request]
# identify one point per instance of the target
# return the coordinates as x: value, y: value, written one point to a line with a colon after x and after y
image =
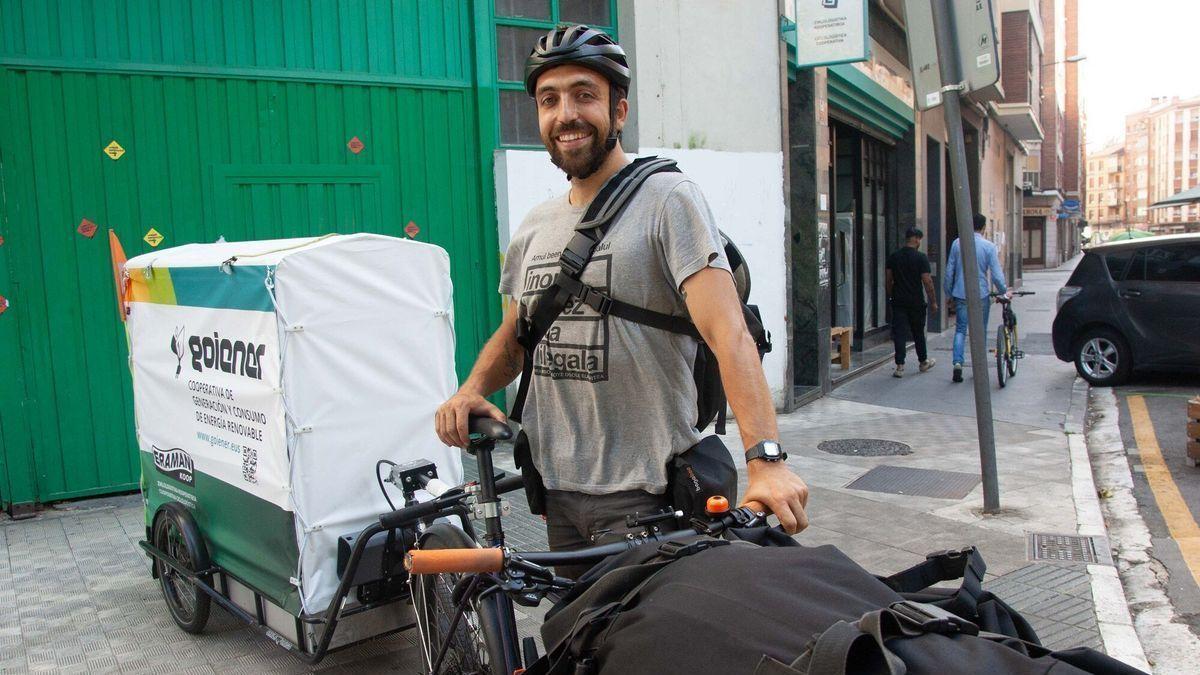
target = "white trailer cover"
x: 356, y: 339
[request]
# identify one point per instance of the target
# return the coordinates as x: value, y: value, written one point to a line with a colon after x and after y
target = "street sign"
x: 1071, y: 204
x: 978, y: 61
x: 922, y: 54
x: 830, y: 32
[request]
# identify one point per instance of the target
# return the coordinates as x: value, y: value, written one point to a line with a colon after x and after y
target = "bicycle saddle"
x: 489, y: 428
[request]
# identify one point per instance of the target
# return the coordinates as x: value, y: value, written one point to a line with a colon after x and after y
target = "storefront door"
x: 1033, y: 240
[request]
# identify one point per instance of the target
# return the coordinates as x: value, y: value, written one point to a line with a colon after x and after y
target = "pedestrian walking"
x: 988, y: 261
x: 908, y: 284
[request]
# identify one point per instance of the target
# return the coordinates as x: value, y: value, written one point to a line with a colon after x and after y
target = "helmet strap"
x: 614, y: 135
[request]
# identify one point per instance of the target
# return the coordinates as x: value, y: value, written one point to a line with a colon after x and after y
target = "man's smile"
x: 573, y: 139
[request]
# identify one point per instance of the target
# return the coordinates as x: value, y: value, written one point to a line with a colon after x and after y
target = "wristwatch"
x: 768, y: 451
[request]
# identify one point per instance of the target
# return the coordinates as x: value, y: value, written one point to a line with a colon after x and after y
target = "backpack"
x: 758, y: 602
x: 566, y: 288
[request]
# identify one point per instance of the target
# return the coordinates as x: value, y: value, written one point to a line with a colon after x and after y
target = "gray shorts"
x: 575, y: 520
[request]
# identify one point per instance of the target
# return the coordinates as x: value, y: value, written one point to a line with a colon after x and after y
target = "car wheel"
x: 1102, y: 357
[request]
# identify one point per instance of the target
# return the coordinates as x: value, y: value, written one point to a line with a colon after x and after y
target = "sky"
x: 1135, y: 50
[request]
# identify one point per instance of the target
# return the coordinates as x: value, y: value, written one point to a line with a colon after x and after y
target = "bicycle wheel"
x: 1012, y: 351
x: 1001, y: 351
x: 475, y: 643
x: 176, y: 534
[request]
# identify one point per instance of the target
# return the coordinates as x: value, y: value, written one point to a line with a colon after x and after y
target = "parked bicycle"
x: 1008, y: 352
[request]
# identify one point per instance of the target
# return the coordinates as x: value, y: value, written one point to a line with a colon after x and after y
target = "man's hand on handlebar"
x: 451, y: 418
x: 785, y: 494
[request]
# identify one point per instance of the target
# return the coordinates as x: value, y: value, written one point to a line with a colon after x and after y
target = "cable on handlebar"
x: 379, y: 479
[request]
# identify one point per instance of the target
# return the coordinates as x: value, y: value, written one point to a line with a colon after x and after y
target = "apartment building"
x: 1173, y: 162
x: 1160, y: 158
x: 1105, y: 187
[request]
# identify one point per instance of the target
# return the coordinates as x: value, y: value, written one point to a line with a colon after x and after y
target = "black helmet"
x: 581, y: 46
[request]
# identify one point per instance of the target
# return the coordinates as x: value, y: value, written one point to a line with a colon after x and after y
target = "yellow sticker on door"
x: 153, y: 237
x: 114, y: 150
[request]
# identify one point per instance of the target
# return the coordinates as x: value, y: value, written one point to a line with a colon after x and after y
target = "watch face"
x: 771, y: 450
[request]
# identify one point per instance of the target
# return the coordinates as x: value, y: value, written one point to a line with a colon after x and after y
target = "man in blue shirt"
x: 988, y: 261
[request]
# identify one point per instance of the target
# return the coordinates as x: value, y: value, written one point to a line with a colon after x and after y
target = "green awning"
x: 856, y: 94
x: 1189, y: 196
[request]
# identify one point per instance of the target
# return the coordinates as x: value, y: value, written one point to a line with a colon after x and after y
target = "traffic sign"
x: 978, y: 60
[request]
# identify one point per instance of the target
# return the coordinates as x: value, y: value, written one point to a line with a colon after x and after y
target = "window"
x: 519, y: 23
x: 1117, y: 261
x: 1180, y: 263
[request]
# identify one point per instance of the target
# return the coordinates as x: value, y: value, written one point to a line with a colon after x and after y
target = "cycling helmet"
x: 581, y: 46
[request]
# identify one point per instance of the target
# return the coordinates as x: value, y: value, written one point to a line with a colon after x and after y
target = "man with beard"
x: 611, y: 401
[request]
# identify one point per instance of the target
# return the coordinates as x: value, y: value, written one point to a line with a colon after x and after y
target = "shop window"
x: 519, y: 24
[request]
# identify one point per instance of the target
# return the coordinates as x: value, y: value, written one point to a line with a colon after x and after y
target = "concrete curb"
x: 1166, y: 643
x: 1112, y: 608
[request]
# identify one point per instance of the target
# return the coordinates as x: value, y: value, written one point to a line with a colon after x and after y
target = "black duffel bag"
x: 703, y: 605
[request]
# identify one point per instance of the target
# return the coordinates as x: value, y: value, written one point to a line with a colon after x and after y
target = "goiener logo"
x: 177, y: 349
x: 175, y: 463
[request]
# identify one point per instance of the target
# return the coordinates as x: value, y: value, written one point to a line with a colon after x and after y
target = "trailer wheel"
x: 175, y: 533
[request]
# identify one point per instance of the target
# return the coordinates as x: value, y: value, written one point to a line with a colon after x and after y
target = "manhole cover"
x: 864, y: 447
x: 1067, y: 548
x: 903, y: 480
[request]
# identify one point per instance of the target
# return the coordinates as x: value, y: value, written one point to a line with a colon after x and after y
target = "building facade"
x: 1105, y: 210
x: 1173, y: 154
x: 1053, y: 177
x: 1158, y: 158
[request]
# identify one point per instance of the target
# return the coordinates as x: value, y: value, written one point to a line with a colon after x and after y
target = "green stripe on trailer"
x: 235, y: 287
x: 248, y: 537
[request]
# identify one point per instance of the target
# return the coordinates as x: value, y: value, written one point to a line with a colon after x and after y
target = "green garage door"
x: 202, y: 119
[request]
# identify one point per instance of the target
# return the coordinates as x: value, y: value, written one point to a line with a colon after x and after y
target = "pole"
x: 947, y: 48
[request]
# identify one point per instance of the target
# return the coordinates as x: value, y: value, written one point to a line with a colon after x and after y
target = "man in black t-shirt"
x: 908, y: 275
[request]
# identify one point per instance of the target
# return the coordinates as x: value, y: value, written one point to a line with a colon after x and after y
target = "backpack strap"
x: 864, y: 642
x: 609, y: 203
x: 966, y: 564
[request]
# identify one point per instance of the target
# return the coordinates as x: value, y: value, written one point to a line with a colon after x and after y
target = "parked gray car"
x: 1132, y: 305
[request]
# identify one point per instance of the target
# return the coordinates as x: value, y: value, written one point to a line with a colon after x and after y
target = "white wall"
x: 707, y: 74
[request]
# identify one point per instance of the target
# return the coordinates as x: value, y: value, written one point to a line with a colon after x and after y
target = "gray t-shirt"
x: 612, y: 401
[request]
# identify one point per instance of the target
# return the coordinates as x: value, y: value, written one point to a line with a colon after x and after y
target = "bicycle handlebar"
x: 457, y: 560
x: 471, y: 560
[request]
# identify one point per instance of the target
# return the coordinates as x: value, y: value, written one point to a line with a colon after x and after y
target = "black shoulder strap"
x: 966, y: 564
x: 605, y: 208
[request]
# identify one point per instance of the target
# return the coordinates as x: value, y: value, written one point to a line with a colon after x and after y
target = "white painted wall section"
x: 707, y: 74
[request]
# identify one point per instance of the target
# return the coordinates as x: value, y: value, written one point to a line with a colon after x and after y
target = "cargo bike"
x: 279, y: 387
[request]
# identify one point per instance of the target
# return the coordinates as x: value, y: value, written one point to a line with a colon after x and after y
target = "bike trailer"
x: 268, y: 378
x: 703, y: 605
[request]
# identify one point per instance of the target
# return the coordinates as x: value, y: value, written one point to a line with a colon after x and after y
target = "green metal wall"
x: 235, y: 117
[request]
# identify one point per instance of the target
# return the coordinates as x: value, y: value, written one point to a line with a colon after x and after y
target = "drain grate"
x: 903, y: 480
x: 864, y: 447
x: 1067, y: 548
